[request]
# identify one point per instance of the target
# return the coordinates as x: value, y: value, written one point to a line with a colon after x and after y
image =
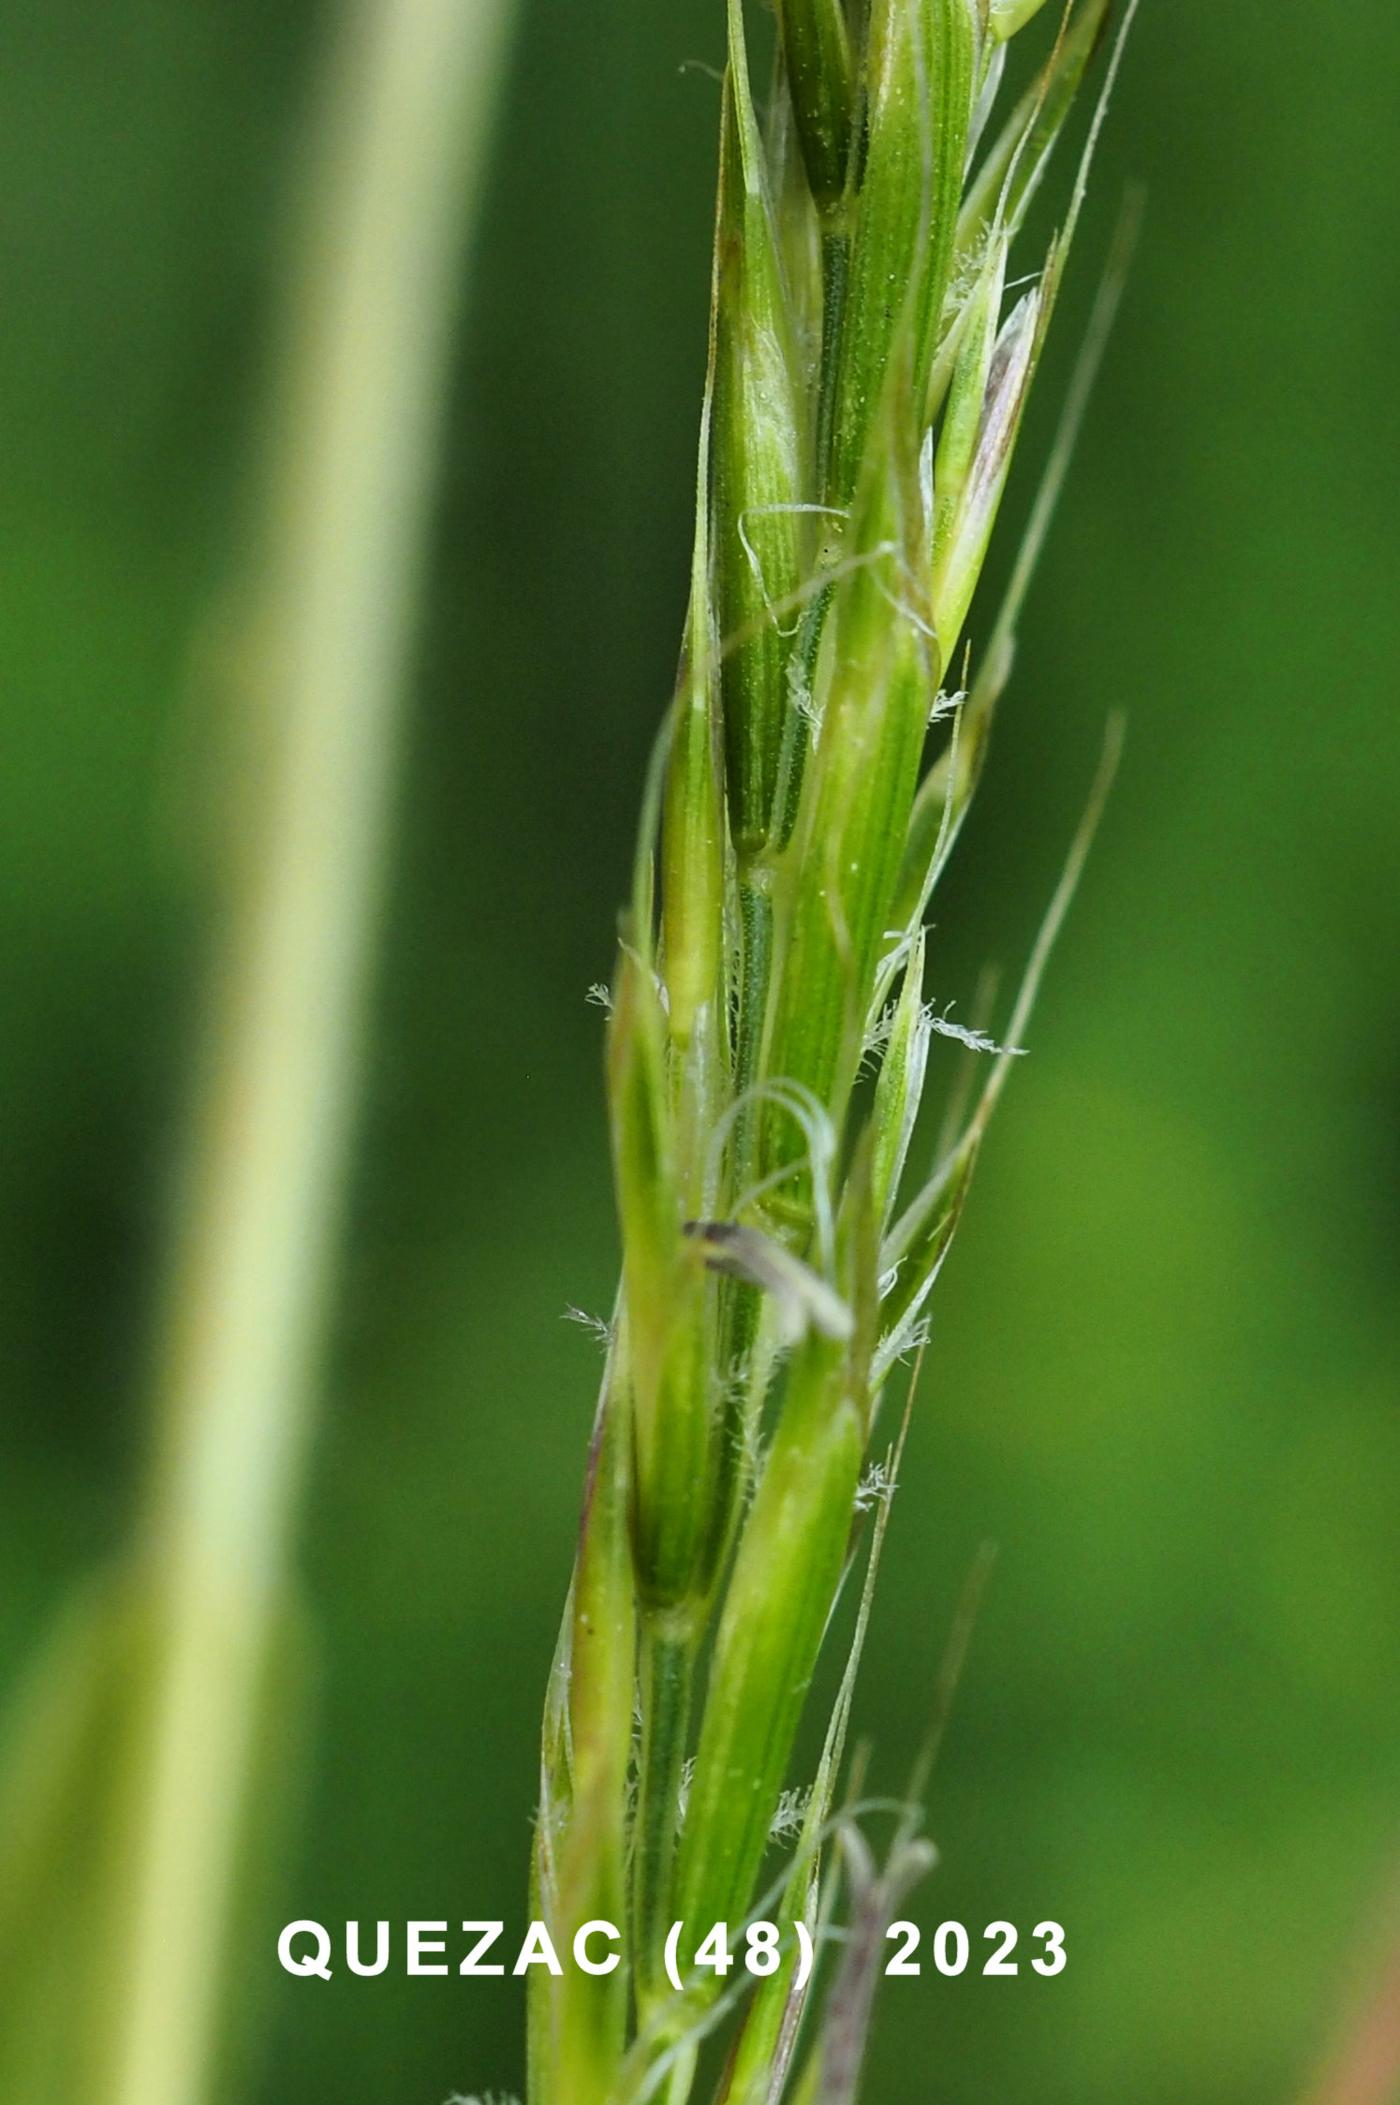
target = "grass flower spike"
x: 783, y: 1221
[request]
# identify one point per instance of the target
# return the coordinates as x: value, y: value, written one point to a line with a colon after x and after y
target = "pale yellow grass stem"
x: 329, y: 618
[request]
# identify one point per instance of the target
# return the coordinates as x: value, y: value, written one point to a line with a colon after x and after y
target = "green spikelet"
x: 783, y: 1220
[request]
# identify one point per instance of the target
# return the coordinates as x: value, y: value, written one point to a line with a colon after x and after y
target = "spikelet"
x: 867, y: 386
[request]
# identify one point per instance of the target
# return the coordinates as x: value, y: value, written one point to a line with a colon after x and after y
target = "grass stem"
x: 329, y: 616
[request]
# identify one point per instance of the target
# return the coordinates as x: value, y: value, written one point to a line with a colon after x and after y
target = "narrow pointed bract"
x: 875, y: 339
x: 817, y: 48
x: 920, y: 88
x: 758, y: 465
x: 958, y: 562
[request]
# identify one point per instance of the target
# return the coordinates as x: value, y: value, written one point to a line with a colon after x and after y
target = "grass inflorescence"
x: 871, y: 357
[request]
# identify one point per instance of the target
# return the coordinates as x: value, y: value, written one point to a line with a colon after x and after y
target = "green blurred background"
x: 1164, y: 1376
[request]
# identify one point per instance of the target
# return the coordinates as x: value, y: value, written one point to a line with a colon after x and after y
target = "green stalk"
x: 334, y: 583
x: 836, y: 271
x: 668, y: 1656
x: 755, y: 970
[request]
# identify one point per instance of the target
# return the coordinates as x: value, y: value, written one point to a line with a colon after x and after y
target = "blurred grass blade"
x: 396, y: 167
x: 57, y: 1744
